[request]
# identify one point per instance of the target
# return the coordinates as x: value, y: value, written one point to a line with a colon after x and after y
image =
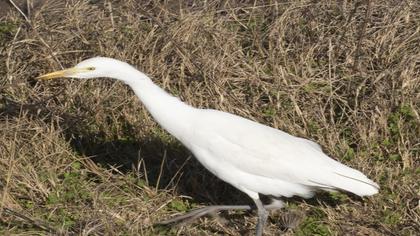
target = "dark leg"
x: 211, y: 210
x: 262, y: 217
x: 197, y: 213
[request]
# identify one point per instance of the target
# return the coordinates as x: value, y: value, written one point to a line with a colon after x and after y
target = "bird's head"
x: 90, y: 68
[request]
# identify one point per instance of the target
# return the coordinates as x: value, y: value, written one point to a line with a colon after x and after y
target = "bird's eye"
x: 90, y: 68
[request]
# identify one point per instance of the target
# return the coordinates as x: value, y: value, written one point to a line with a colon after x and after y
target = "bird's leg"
x: 197, y: 213
x: 262, y: 216
x: 211, y: 210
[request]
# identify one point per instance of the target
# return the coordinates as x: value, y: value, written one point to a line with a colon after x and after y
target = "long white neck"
x: 170, y: 112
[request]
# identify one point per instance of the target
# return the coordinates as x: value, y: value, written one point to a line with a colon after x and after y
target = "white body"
x: 250, y: 156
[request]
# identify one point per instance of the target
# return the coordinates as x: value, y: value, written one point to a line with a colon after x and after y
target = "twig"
x: 111, y: 14
x: 362, y: 34
x: 9, y: 54
x: 161, y: 169
x: 178, y: 172
x: 20, y: 11
x: 37, y: 223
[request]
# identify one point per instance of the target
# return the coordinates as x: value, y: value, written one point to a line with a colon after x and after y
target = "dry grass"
x: 86, y: 158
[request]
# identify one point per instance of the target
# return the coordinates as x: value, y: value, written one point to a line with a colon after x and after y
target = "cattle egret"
x: 254, y: 158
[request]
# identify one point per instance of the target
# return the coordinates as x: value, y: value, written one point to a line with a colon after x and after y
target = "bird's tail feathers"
x: 347, y: 179
x: 355, y: 182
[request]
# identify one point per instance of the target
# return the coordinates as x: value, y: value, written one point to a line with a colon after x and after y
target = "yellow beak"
x: 57, y: 74
x: 63, y: 73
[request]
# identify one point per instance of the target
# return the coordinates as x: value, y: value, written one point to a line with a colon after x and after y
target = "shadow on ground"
x: 164, y: 165
x: 167, y: 164
x: 171, y: 165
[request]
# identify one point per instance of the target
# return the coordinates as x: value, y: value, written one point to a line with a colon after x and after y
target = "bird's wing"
x: 313, y: 144
x: 265, y: 151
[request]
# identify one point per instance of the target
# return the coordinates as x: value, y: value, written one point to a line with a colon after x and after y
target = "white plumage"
x: 270, y: 161
x: 254, y: 158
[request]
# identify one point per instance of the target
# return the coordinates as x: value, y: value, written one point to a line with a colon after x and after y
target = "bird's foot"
x: 197, y: 213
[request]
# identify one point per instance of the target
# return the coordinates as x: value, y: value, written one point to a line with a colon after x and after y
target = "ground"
x: 85, y: 157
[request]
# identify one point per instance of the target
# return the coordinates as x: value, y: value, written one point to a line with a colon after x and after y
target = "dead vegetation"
x: 84, y: 157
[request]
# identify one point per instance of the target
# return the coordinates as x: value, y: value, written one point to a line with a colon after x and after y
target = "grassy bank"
x: 85, y: 157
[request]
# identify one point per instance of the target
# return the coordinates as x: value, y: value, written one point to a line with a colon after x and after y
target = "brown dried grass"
x: 86, y: 158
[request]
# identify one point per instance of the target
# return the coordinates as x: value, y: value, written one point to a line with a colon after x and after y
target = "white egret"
x: 254, y: 158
